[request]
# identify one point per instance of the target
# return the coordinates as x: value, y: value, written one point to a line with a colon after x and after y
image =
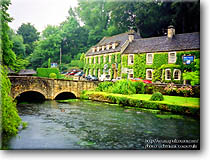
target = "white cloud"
x: 40, y: 13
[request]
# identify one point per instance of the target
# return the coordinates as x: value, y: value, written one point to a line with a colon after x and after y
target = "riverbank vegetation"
x: 181, y: 105
x: 9, y: 117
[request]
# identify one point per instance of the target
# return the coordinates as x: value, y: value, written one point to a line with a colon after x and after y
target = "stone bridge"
x: 49, y: 88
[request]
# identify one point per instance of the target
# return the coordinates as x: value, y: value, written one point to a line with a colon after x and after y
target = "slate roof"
x: 10, y: 71
x: 185, y: 41
x: 120, y: 39
x: 26, y: 72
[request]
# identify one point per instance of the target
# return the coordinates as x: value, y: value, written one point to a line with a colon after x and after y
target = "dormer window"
x: 113, y: 45
x: 107, y: 47
x: 93, y: 49
x: 98, y: 48
x: 103, y: 47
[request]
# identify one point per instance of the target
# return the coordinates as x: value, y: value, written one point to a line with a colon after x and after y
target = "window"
x: 171, y: 57
x: 149, y: 58
x: 94, y: 60
x: 104, y: 59
x: 103, y: 47
x: 110, y: 57
x: 113, y: 45
x: 177, y: 74
x: 99, y: 73
x: 98, y: 48
x: 130, y: 73
x: 168, y: 74
x: 149, y: 74
x: 130, y: 59
x: 93, y: 49
x: 107, y: 47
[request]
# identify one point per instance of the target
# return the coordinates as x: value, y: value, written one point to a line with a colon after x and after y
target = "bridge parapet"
x: 49, y: 88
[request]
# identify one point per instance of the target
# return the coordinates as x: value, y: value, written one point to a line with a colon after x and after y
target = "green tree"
x: 18, y: 46
x: 30, y: 35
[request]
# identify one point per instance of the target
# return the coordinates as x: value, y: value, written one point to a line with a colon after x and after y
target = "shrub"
x: 45, y: 72
x: 104, y: 86
x: 157, y: 97
x: 124, y: 87
x: 52, y: 75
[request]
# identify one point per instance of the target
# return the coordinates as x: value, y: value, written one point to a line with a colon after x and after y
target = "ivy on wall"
x: 160, y: 63
x: 100, y: 67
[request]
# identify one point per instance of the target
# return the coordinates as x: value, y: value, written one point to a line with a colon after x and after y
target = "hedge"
x: 125, y: 101
x: 45, y: 72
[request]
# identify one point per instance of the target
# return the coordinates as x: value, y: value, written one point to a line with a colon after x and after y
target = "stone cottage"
x: 128, y: 55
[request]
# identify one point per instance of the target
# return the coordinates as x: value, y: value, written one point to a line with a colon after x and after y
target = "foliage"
x: 181, y: 105
x: 49, y: 63
x: 157, y: 97
x: 52, y: 75
x: 45, y: 72
x: 8, y: 56
x: 185, y: 91
x: 122, y: 87
x: 104, y: 86
x: 10, y: 119
x: 194, y: 77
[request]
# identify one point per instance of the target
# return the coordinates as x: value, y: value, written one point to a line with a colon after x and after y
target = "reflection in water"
x: 95, y: 125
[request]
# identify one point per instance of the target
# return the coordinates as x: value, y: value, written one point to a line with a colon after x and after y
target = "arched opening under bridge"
x: 30, y: 96
x: 65, y: 95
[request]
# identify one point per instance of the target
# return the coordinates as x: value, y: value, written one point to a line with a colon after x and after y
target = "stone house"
x: 128, y: 55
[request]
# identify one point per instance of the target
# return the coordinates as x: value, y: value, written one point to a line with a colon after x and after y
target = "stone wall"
x: 49, y: 88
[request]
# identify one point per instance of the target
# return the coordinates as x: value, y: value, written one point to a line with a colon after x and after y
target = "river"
x: 95, y: 125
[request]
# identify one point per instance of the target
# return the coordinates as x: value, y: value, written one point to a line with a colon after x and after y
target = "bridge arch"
x: 30, y: 95
x: 65, y: 95
x: 30, y: 90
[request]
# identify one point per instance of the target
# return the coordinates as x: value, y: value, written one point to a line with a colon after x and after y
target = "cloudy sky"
x: 40, y: 13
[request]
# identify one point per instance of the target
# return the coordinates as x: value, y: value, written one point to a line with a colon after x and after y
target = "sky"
x: 40, y: 13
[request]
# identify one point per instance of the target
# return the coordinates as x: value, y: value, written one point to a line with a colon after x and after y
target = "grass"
x: 172, y: 100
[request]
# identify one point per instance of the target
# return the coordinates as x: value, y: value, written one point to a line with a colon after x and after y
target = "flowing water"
x: 96, y: 125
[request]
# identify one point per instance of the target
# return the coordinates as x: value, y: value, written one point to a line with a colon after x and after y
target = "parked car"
x: 142, y: 80
x: 117, y: 79
x: 80, y: 74
x: 92, y: 78
x: 104, y: 77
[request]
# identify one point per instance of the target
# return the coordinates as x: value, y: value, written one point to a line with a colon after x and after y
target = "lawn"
x: 172, y: 100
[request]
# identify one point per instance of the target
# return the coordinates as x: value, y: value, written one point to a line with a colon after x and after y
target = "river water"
x: 96, y: 125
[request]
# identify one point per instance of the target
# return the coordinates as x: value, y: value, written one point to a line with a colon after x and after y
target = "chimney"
x: 131, y: 35
x: 171, y: 31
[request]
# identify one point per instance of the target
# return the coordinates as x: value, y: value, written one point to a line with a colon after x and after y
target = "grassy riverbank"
x: 181, y: 105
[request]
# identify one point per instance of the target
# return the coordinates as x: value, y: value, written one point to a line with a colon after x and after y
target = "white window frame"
x: 93, y: 49
x: 169, y: 57
x: 113, y: 45
x: 148, y: 58
x: 166, y: 77
x: 110, y: 58
x: 130, y: 71
x: 107, y: 47
x: 103, y: 47
x: 104, y: 58
x: 129, y: 59
x: 179, y: 74
x: 147, y: 74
